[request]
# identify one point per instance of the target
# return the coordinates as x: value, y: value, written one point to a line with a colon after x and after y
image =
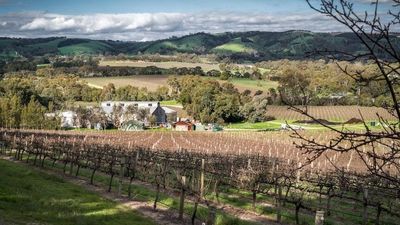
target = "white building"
x: 108, y: 106
x: 172, y: 115
x: 153, y: 108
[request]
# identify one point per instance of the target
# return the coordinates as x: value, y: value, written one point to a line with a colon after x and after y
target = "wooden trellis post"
x: 182, y: 197
x: 121, y: 175
x: 319, y: 218
x: 365, y: 208
x: 211, y: 215
x: 202, y: 178
x: 298, y: 174
x: 279, y: 205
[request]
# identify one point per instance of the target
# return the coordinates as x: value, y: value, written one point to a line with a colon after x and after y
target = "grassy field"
x: 152, y: 82
x: 31, y: 197
x: 140, y: 193
x: 166, y: 65
x: 171, y: 103
x: 235, y: 46
x: 91, y: 47
x: 253, y: 85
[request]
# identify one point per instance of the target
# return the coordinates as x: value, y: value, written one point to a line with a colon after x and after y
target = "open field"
x: 152, y: 82
x: 31, y: 197
x: 165, y: 65
x: 253, y: 85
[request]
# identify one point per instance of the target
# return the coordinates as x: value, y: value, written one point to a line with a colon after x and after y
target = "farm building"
x: 171, y: 114
x: 183, y: 126
x: 153, y: 109
x: 200, y: 127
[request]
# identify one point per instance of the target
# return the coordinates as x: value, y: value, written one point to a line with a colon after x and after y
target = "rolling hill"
x: 253, y: 45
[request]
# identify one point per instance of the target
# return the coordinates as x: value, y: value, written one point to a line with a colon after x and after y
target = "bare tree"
x: 378, y: 150
x: 142, y: 114
x: 117, y: 115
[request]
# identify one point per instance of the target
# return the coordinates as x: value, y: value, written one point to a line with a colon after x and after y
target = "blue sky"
x: 132, y: 6
x: 154, y: 19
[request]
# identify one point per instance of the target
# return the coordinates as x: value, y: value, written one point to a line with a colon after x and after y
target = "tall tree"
x: 32, y: 115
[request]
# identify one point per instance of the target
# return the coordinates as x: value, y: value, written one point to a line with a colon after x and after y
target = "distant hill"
x: 251, y: 45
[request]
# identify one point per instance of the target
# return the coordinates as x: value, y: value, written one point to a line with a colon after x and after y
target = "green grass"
x: 170, y: 102
x: 91, y: 47
x: 143, y: 193
x: 31, y: 197
x: 256, y: 126
x: 254, y: 84
x: 234, y: 46
x: 344, y: 212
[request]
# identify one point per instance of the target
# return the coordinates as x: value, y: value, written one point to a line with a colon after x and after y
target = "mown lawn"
x: 31, y: 197
x: 269, y: 125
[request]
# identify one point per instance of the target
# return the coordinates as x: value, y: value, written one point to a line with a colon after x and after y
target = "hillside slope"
x: 254, y: 45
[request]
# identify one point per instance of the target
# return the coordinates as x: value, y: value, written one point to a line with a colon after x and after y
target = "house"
x: 183, y: 126
x: 154, y: 109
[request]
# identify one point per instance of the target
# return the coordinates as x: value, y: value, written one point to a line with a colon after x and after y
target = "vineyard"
x: 333, y: 113
x: 254, y: 172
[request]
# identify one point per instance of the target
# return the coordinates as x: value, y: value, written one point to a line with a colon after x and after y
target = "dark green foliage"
x: 240, y: 46
x: 255, y: 110
x: 207, y: 100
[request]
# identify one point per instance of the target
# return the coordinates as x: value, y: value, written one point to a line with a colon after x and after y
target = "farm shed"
x: 183, y: 126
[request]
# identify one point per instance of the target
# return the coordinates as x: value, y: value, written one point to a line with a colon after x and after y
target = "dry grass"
x: 166, y: 65
x: 151, y: 82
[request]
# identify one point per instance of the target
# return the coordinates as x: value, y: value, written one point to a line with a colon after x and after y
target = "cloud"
x: 105, y: 23
x: 150, y: 26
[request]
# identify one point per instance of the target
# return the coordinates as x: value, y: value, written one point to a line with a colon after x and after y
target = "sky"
x: 133, y: 20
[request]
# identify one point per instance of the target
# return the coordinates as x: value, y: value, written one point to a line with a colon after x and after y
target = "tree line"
x: 25, y: 99
x: 209, y: 101
x: 327, y: 83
